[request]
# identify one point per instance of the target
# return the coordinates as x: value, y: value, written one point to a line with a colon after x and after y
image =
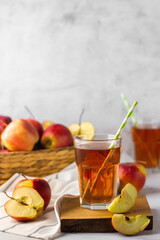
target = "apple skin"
x: 56, y: 136
x: 46, y: 124
x: 37, y: 125
x: 4, y: 151
x: 19, y: 135
x: 133, y: 173
x: 40, y: 185
x: 4, y: 121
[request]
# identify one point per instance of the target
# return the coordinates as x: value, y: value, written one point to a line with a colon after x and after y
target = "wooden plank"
x: 77, y: 219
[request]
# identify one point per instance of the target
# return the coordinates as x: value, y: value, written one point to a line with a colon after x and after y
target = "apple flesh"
x: 40, y: 185
x: 129, y: 225
x: 56, y: 136
x: 46, y: 124
x: 133, y: 173
x: 125, y: 201
x: 74, y: 129
x: 19, y: 135
x: 26, y: 204
x: 81, y: 129
x: 37, y: 125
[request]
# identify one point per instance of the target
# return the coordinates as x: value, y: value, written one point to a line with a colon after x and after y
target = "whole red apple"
x: 4, y: 121
x: 133, y: 173
x: 37, y: 125
x: 56, y: 136
x: 46, y: 124
x: 19, y: 135
x: 40, y: 185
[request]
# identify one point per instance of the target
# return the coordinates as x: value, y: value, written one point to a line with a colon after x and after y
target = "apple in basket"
x: 37, y: 125
x: 46, y: 124
x: 26, y: 204
x: 56, y: 136
x: 4, y: 121
x: 133, y: 173
x: 40, y: 185
x: 19, y: 135
x: 81, y: 129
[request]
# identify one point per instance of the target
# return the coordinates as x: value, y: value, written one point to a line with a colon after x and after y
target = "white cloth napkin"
x: 47, y: 226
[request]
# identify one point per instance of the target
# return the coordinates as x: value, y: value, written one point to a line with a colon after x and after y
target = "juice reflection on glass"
x: 90, y: 155
x: 146, y: 140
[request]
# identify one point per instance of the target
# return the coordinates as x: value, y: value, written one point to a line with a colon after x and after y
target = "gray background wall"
x: 59, y: 56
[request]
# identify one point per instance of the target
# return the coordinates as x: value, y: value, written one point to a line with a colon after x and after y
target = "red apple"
x: 37, y: 125
x: 133, y: 173
x: 19, y: 135
x: 26, y: 204
x: 46, y: 124
x: 40, y: 185
x: 56, y: 136
x: 4, y: 150
x: 4, y: 121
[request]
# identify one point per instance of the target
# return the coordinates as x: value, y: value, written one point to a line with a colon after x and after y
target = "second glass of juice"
x: 97, y: 165
x: 146, y: 138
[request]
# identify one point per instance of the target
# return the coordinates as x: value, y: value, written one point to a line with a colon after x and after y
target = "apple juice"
x: 89, y: 161
x: 146, y: 145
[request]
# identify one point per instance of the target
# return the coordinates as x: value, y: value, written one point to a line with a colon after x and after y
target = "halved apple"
x: 125, y: 201
x: 74, y: 129
x: 82, y: 129
x: 26, y: 204
x: 129, y: 225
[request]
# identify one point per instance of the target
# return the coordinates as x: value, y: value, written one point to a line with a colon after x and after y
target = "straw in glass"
x: 130, y: 112
x: 128, y: 107
x: 136, y: 125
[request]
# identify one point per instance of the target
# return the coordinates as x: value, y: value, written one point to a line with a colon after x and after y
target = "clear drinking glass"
x: 97, y: 165
x: 146, y: 139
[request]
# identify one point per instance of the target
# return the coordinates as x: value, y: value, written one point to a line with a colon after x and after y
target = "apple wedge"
x: 26, y: 204
x: 125, y: 201
x: 129, y: 225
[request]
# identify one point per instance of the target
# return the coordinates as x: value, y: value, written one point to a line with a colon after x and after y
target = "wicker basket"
x: 37, y: 163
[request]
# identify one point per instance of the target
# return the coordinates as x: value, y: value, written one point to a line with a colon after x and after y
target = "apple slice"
x: 74, y: 129
x: 26, y: 204
x: 129, y: 225
x: 125, y: 201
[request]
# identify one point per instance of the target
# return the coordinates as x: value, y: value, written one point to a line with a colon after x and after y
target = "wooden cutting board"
x: 77, y: 219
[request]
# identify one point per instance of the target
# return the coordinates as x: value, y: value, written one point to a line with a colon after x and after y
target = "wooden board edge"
x: 95, y: 225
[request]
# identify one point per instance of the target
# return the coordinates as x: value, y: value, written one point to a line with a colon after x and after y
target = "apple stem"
x: 24, y: 176
x: 29, y: 111
x: 80, y: 117
x: 8, y: 195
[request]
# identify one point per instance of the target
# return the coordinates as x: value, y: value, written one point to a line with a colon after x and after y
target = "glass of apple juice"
x: 97, y: 165
x: 146, y: 139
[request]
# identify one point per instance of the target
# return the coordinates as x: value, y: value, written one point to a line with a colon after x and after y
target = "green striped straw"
x: 130, y: 112
x: 128, y: 107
